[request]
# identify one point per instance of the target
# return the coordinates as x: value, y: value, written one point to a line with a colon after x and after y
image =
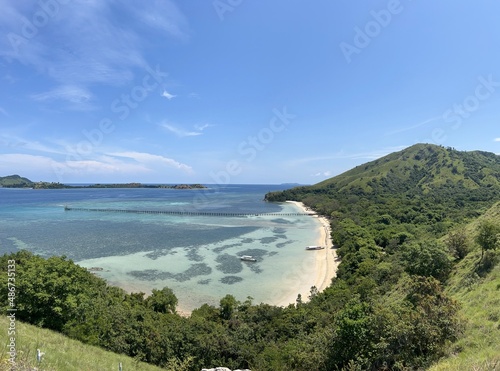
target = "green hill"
x: 391, y: 220
x: 421, y: 168
x: 15, y: 181
x: 422, y: 184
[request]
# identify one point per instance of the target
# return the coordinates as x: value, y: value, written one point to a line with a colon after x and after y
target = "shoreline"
x: 317, y: 269
x: 326, y: 261
x: 326, y: 264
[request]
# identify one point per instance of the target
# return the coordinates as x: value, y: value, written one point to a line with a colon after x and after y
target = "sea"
x: 194, y: 248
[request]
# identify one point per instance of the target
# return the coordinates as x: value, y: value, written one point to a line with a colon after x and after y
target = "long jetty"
x: 181, y: 213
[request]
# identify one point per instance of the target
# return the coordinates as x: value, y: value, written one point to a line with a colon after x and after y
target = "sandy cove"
x: 326, y: 260
x: 326, y: 264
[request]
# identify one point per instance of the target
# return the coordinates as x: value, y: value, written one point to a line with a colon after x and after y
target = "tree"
x: 162, y: 301
x: 51, y: 289
x: 488, y: 236
x: 458, y: 245
x: 428, y: 259
x: 228, y: 305
x: 353, y: 335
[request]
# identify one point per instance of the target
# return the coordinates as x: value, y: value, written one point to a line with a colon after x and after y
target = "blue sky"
x: 240, y: 91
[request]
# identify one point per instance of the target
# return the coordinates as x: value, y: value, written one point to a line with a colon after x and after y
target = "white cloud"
x: 497, y: 139
x: 179, y: 131
x: 83, y: 44
x: 162, y: 15
x: 323, y: 174
x: 14, y: 141
x: 202, y: 127
x: 147, y: 158
x: 375, y: 154
x: 167, y: 95
x: 102, y: 167
x: 416, y: 126
x: 70, y: 93
x: 27, y: 165
x: 371, y: 155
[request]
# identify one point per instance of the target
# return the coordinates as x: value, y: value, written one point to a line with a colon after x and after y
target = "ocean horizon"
x: 196, y: 255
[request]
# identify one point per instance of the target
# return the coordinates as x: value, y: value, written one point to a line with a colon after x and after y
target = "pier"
x: 182, y: 213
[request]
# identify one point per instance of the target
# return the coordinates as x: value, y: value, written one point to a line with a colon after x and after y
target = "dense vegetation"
x: 411, y: 228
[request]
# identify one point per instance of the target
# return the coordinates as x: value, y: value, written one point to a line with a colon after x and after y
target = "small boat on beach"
x: 314, y: 247
x: 248, y: 258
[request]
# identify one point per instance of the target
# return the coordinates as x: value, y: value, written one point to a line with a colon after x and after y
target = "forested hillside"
x: 423, y: 185
x: 418, y: 233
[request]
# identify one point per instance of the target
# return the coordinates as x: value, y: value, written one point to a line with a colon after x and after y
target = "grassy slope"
x: 62, y: 353
x: 15, y: 180
x: 479, y: 347
x: 425, y: 166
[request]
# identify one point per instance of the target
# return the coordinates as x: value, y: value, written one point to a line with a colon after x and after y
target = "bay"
x: 195, y: 255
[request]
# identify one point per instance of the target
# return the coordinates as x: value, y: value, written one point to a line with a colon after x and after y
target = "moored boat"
x: 248, y: 258
x: 314, y: 247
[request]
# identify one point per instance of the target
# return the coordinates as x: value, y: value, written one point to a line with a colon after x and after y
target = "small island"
x: 16, y: 181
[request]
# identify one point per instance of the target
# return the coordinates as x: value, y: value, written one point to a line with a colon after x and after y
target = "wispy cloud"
x: 370, y: 155
x: 82, y: 45
x: 201, y: 127
x: 416, y: 126
x: 497, y: 139
x: 164, y: 16
x: 29, y: 145
x: 323, y: 174
x: 167, y: 95
x: 375, y: 154
x: 70, y: 93
x: 147, y: 158
x: 102, y: 166
x: 23, y: 163
x: 180, y: 132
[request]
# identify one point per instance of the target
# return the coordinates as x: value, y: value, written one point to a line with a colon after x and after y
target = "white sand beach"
x: 285, y: 280
x: 326, y: 260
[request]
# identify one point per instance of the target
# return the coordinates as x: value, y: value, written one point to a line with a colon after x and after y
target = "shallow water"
x: 196, y: 256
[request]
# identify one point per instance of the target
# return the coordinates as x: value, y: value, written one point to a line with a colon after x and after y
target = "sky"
x: 240, y: 91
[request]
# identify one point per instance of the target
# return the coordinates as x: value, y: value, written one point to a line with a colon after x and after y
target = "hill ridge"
x: 420, y: 164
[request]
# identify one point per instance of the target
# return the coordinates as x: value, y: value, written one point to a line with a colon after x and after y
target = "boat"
x: 314, y: 247
x: 248, y: 258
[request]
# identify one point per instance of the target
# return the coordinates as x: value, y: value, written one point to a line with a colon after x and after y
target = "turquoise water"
x: 196, y: 256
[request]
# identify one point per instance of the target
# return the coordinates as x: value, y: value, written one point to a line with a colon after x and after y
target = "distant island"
x: 16, y: 181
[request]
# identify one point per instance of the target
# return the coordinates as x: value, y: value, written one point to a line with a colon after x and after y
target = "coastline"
x: 326, y: 261
x: 311, y: 268
x: 326, y: 264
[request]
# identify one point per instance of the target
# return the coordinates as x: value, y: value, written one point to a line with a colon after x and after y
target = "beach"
x: 326, y: 261
x: 197, y: 256
x: 300, y: 279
